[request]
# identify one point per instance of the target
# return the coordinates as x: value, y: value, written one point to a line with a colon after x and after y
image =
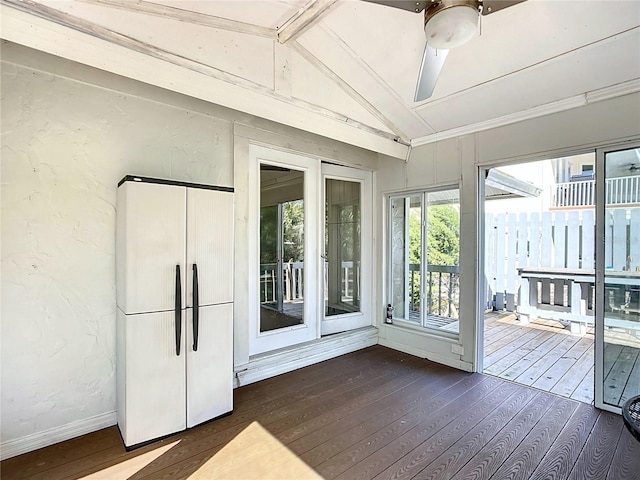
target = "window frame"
x: 420, y: 326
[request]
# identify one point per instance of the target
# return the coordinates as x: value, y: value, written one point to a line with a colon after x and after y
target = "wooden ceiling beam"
x: 303, y: 19
x: 189, y: 16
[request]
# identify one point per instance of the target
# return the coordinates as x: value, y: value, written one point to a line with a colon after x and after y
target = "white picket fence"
x: 558, y: 239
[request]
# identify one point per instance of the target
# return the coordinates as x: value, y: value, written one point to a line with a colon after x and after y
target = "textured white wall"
x: 65, y: 145
x: 69, y: 134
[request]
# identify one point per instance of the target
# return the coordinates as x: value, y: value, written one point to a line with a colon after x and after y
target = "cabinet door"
x: 210, y: 367
x: 151, y: 242
x: 210, y: 245
x: 155, y: 377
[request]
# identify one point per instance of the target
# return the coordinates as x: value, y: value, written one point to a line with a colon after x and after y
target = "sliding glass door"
x: 618, y: 277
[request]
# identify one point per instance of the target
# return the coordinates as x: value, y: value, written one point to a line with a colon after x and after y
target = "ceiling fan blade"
x: 432, y: 62
x: 409, y: 5
x: 492, y: 6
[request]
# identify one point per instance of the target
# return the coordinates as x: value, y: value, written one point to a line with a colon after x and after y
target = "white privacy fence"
x: 559, y: 239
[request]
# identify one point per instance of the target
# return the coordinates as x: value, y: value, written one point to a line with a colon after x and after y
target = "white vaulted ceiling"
x: 347, y: 69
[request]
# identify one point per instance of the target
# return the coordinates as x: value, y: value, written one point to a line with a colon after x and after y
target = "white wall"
x: 65, y: 145
x: 69, y: 134
x: 456, y: 161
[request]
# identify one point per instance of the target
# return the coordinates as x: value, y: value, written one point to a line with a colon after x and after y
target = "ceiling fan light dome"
x: 452, y: 27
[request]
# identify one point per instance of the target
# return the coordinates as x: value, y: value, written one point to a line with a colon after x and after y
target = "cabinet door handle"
x: 195, y: 308
x: 178, y: 310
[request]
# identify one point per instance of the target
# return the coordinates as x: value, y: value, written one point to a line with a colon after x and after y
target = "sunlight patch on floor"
x: 132, y: 466
x: 255, y: 453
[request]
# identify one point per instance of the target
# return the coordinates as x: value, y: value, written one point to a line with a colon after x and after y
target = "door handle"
x: 178, y: 310
x: 196, y: 308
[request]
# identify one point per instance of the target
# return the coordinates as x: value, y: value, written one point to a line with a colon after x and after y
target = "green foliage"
x: 443, y: 248
x: 293, y: 231
x: 443, y: 241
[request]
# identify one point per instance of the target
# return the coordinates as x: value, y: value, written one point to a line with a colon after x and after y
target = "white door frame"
x: 601, y: 206
x: 260, y: 342
x: 350, y: 321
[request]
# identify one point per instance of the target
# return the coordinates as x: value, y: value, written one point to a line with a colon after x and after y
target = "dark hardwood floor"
x: 376, y: 413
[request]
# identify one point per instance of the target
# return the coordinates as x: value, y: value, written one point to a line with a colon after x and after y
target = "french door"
x: 617, y: 339
x: 284, y: 301
x: 346, y: 252
x: 311, y: 250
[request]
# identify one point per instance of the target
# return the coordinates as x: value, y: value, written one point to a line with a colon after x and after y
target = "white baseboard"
x: 450, y: 362
x: 285, y: 360
x: 28, y: 443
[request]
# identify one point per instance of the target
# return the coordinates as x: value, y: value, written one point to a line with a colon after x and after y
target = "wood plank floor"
x: 375, y: 413
x: 541, y: 354
x: 545, y: 355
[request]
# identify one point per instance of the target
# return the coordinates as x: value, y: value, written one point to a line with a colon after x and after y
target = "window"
x: 424, y: 286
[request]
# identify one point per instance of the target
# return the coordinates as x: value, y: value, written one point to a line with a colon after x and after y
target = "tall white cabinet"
x: 175, y: 312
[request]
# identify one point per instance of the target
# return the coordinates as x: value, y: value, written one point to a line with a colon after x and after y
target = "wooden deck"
x: 546, y: 355
x: 372, y: 414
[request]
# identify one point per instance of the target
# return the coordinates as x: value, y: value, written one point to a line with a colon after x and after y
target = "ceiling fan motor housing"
x: 451, y: 23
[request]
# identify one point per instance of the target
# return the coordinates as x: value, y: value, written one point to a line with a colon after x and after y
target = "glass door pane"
x: 346, y: 282
x: 619, y: 329
x: 342, y: 247
x: 270, y: 257
x: 284, y: 249
x: 281, y: 247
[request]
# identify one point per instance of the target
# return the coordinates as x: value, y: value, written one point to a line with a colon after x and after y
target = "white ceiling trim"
x: 304, y: 19
x: 34, y: 31
x: 174, y: 13
x: 626, y: 88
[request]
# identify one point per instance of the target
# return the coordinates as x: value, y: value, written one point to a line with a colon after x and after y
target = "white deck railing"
x: 293, y: 281
x: 620, y: 191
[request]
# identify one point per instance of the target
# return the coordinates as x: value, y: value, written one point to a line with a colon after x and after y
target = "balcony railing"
x: 442, y: 290
x: 620, y: 191
x: 293, y: 278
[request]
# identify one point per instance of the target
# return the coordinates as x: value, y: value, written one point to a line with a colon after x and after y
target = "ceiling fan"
x: 447, y: 24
